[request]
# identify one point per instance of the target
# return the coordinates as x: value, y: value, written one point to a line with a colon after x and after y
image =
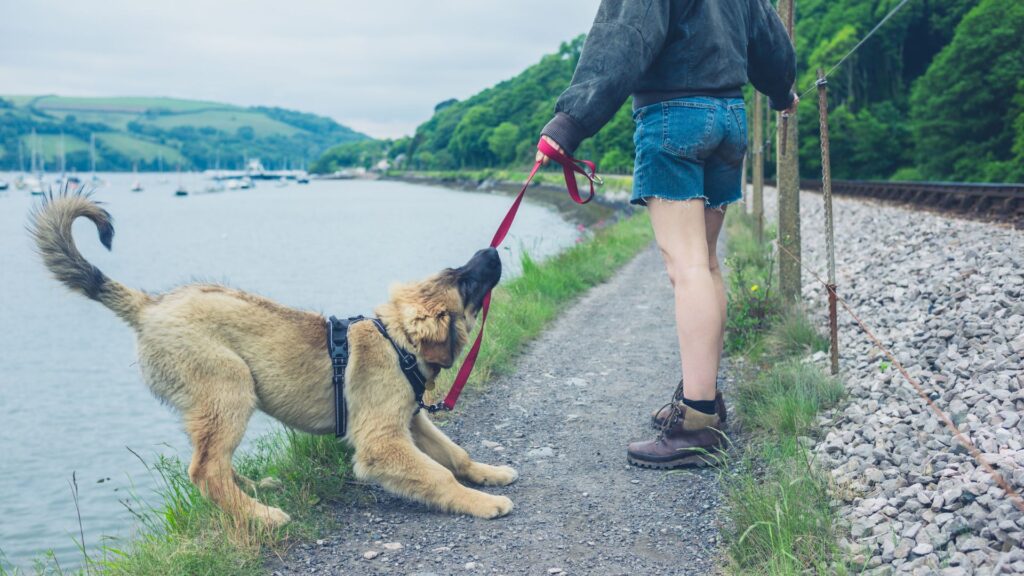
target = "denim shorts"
x: 689, y: 148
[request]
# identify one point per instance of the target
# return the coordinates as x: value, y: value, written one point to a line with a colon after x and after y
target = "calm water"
x: 71, y: 399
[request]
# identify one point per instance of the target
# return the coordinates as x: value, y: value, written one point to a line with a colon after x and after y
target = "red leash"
x: 570, y: 167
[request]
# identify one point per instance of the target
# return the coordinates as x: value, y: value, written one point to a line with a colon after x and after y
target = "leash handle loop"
x: 570, y: 167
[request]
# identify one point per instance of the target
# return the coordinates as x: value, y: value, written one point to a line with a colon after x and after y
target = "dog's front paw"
x: 486, y: 475
x: 272, y: 517
x: 488, y: 506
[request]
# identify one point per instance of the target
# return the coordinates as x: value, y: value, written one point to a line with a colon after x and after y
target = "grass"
x: 49, y: 147
x: 139, y: 149
x: 779, y: 504
x: 226, y: 120
x: 124, y: 103
x: 186, y: 534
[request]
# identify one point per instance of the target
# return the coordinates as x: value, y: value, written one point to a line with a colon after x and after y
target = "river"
x: 71, y: 397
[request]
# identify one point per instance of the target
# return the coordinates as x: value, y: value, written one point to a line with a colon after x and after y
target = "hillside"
x: 936, y: 94
x: 154, y: 132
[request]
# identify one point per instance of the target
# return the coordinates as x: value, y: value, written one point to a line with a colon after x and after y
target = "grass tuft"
x: 779, y: 504
x: 785, y: 400
x: 793, y: 335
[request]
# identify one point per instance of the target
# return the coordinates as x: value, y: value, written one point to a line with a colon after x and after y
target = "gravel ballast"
x: 947, y: 296
x: 562, y: 418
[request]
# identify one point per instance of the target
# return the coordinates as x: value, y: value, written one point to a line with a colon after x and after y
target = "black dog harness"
x: 337, y: 344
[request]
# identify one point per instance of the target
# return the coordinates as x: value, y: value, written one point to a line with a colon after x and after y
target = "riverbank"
x: 548, y: 188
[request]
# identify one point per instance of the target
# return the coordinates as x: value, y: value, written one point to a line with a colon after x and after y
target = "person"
x: 685, y: 62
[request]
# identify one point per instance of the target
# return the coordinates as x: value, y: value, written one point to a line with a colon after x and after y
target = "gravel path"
x: 579, y: 394
x: 947, y: 296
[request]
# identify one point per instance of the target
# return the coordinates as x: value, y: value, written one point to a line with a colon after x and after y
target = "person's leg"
x: 713, y: 220
x: 680, y: 231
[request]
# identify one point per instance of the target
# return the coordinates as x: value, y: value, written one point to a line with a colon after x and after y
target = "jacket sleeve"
x: 626, y: 37
x: 771, y: 59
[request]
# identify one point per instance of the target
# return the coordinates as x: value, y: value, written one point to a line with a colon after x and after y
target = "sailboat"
x: 35, y: 183
x: 181, y: 190
x: 136, y: 186
x: 94, y: 179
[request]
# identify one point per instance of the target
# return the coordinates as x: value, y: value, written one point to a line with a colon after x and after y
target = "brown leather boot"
x: 689, y: 438
x: 659, y: 416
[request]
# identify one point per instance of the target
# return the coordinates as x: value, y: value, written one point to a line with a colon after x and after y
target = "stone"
x: 393, y: 546
x: 540, y: 453
x: 370, y: 554
x: 923, y: 549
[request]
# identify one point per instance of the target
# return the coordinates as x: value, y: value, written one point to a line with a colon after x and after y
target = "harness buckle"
x: 435, y: 408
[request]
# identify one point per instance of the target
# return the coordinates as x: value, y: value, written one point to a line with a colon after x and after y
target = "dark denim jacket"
x: 663, y: 49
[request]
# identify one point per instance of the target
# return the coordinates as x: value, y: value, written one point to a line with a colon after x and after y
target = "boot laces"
x: 675, y: 412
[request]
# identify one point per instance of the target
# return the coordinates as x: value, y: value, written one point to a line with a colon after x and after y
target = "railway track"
x: 990, y: 202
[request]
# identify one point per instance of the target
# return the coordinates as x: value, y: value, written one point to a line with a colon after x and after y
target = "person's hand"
x: 791, y: 111
x: 542, y: 157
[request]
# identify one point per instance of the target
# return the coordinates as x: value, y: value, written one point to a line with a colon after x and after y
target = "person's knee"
x: 714, y: 267
x: 685, y: 276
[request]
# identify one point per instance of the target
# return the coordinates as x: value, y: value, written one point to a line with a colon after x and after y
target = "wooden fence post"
x: 788, y: 170
x: 758, y: 167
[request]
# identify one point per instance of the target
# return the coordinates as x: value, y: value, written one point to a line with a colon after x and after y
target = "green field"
x: 126, y: 104
x: 48, y: 146
x: 138, y: 149
x: 228, y: 120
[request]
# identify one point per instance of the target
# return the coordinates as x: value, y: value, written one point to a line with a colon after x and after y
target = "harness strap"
x: 570, y: 167
x: 409, y: 365
x: 337, y: 345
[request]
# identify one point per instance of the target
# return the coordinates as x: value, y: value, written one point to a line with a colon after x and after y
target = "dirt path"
x: 579, y: 394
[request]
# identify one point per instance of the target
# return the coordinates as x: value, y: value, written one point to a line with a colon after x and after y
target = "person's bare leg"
x: 713, y: 220
x: 679, y: 228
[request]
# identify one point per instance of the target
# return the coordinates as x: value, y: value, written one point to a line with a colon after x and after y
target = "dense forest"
x: 935, y: 94
x: 154, y: 133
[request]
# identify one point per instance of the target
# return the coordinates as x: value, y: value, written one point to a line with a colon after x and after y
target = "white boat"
x: 246, y: 183
x: 4, y: 185
x: 136, y: 186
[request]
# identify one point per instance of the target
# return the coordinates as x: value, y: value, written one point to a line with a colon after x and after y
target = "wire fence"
x: 829, y: 285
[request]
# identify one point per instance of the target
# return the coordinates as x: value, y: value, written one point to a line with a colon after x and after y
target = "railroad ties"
x: 998, y: 202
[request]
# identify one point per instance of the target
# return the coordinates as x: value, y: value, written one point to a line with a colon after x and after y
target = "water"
x: 71, y: 398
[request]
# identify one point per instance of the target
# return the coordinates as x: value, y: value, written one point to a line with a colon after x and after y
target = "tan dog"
x: 218, y: 354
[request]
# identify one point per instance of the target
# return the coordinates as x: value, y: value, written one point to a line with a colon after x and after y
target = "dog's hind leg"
x: 216, y: 422
x: 447, y: 453
x: 390, y: 458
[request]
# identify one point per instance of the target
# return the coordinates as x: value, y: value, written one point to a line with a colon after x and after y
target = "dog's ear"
x: 434, y: 335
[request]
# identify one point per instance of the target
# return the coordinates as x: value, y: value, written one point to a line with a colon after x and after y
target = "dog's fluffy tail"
x: 50, y: 226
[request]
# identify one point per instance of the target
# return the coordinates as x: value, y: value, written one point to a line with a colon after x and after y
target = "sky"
x: 378, y: 66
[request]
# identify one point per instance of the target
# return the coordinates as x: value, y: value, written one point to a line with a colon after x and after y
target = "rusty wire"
x: 1014, y: 496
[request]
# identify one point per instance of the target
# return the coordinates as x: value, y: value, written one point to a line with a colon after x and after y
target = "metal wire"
x: 853, y: 50
x: 964, y: 440
x: 859, y: 44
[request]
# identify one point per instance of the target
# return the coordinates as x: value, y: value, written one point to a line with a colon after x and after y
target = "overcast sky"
x: 378, y: 66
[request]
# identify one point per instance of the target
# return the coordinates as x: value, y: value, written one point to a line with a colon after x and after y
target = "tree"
x: 503, y: 142
x: 963, y: 120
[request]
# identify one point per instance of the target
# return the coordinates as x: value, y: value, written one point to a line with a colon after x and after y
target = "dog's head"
x: 437, y: 315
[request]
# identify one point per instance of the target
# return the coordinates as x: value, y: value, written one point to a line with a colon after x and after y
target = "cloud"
x: 379, y: 66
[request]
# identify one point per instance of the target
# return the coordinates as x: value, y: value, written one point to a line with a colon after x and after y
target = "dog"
x: 217, y: 354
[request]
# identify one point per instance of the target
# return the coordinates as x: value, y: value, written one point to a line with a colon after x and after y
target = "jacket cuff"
x: 781, y: 102
x: 566, y: 131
